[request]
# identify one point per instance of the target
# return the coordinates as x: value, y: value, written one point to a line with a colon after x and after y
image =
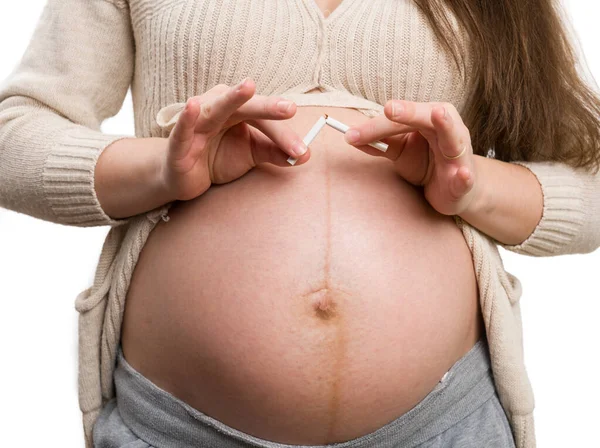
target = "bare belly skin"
x: 304, y: 305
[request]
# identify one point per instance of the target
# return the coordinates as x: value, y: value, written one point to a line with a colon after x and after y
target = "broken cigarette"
x: 337, y: 125
x: 314, y: 131
x: 383, y: 147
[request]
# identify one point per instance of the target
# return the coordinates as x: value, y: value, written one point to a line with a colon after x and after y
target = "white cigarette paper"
x: 337, y: 125
x: 383, y: 147
x: 312, y: 134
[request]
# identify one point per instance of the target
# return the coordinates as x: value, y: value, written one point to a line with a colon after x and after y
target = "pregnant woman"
x: 356, y: 297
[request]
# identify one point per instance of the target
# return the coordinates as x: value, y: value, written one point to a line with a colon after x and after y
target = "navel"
x: 324, y: 304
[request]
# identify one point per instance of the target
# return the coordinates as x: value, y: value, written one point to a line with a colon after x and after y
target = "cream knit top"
x: 86, y: 54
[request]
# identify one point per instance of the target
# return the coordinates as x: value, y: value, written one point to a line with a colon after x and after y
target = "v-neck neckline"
x: 339, y: 9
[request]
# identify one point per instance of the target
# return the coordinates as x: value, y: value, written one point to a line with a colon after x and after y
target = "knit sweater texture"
x: 86, y: 54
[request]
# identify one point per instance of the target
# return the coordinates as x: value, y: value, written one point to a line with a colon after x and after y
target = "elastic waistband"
x: 164, y: 421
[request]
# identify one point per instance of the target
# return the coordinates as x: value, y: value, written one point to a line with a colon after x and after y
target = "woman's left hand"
x: 422, y: 139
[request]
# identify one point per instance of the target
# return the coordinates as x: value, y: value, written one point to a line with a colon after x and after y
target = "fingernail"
x: 299, y: 149
x: 445, y: 113
x: 284, y: 105
x: 352, y: 136
x: 188, y: 105
x: 396, y: 109
x: 241, y: 84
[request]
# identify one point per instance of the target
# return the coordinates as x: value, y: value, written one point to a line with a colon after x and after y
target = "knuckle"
x: 369, y: 130
x: 445, y: 117
x: 206, y: 111
x: 449, y: 106
x: 389, y: 105
x: 409, y: 108
x: 447, y: 123
x: 290, y: 137
x: 269, y: 107
x: 216, y: 90
x: 199, y: 99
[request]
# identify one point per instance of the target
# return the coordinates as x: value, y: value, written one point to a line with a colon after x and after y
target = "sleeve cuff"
x: 68, y: 178
x: 563, y: 213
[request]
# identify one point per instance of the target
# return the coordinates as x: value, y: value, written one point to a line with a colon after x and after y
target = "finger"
x: 452, y: 136
x: 375, y: 129
x: 411, y: 113
x: 265, y: 150
x: 462, y: 182
x: 216, y: 110
x: 182, y: 135
x: 263, y: 107
x: 214, y: 90
x: 282, y: 135
x: 396, y: 145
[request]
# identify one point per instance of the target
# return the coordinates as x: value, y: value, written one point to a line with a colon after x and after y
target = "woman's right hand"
x: 224, y: 133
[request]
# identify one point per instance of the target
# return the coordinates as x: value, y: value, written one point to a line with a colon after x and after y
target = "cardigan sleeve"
x: 74, y: 74
x: 570, y: 222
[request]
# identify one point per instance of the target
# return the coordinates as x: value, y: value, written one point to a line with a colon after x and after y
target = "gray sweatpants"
x: 462, y: 411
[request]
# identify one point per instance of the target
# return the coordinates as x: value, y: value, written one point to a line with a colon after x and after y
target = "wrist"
x: 480, y: 202
x: 128, y: 176
x: 160, y: 149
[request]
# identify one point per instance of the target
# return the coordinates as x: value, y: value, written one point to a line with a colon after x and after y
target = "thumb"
x: 182, y: 135
x: 265, y: 150
x: 462, y: 182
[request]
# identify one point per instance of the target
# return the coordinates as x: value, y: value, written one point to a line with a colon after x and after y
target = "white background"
x: 43, y: 266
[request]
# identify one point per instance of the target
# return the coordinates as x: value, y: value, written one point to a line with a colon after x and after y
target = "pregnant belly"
x: 304, y: 305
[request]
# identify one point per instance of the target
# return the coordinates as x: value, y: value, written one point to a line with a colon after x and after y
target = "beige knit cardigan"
x: 86, y: 54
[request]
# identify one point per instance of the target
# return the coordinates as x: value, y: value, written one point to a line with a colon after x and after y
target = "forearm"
x: 127, y: 176
x: 508, y: 202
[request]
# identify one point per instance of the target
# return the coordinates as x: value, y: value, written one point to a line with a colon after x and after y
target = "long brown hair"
x: 528, y: 101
